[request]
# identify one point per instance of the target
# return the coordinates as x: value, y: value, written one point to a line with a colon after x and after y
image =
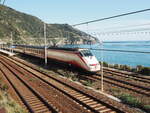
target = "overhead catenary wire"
x: 135, y: 31
x: 123, y: 27
x: 106, y: 18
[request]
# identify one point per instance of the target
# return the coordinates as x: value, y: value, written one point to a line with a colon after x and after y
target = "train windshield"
x: 86, y: 53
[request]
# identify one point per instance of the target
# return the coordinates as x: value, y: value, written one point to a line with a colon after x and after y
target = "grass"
x: 115, y: 90
x: 146, y: 108
x: 9, y: 104
x: 5, y: 87
x: 133, y: 102
x: 6, y: 101
x: 74, y: 78
x: 130, y: 100
x: 88, y: 83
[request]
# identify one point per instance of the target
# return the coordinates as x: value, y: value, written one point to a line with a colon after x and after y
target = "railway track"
x: 136, y: 83
x: 88, y: 102
x: 34, y: 102
x: 134, y: 76
x: 118, y: 79
x: 121, y: 84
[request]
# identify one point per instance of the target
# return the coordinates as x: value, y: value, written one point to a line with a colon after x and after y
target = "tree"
x: 55, y: 41
x: 73, y: 38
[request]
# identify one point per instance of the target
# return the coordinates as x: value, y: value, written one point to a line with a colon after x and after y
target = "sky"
x: 77, y: 11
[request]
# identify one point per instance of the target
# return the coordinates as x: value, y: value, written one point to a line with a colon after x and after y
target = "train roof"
x: 67, y: 49
x: 55, y: 48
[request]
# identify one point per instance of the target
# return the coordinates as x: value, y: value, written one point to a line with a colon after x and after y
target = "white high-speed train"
x: 78, y: 57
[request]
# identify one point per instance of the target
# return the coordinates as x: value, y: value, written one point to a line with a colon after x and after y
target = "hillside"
x: 27, y: 29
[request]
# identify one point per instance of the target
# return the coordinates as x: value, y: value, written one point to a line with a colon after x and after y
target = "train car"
x: 78, y: 57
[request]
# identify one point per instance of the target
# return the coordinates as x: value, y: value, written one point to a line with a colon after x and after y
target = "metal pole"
x: 11, y: 42
x: 102, y: 77
x: 3, y: 2
x: 45, y: 44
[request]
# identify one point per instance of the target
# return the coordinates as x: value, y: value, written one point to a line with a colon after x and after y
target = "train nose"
x: 95, y: 67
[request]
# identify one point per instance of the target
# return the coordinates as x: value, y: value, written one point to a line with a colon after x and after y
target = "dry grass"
x: 9, y: 104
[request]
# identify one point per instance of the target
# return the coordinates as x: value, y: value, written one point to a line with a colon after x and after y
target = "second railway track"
x: 127, y: 75
x: 120, y: 83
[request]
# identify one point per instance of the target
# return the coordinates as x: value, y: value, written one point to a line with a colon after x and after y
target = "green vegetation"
x: 134, y: 102
x: 115, y: 90
x: 88, y: 83
x: 9, y: 104
x: 146, y: 108
x: 4, y: 87
x: 138, y: 69
x: 25, y: 27
x: 130, y: 100
x: 144, y: 70
x: 105, y: 64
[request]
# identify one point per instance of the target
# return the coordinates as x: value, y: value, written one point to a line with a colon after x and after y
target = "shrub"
x: 122, y: 67
x: 145, y: 71
x: 111, y: 65
x: 1, y: 97
x: 74, y: 78
x: 9, y: 104
x: 139, y: 68
x: 67, y: 74
x: 116, y: 66
x: 88, y: 83
x: 133, y: 70
x: 146, y: 108
x: 125, y: 67
x: 105, y: 64
x: 114, y: 90
x: 5, y: 87
x: 130, y: 100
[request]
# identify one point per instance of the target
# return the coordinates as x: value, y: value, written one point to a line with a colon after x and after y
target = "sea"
x: 121, y: 57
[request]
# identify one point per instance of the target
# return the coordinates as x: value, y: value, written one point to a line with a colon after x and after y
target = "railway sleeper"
x: 91, y: 103
x: 75, y: 93
x: 96, y: 105
x: 105, y: 110
x: 86, y: 101
x: 43, y: 111
x: 78, y: 95
x: 40, y: 108
x: 31, y: 99
x: 112, y: 112
x: 36, y: 105
x: 83, y: 99
x: 100, y: 108
x: 34, y: 102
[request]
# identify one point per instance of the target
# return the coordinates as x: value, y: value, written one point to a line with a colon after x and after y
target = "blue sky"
x: 76, y: 11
